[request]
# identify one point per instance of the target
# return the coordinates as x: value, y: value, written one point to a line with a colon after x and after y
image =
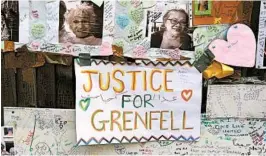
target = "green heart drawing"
x: 84, y: 104
x: 123, y: 3
x: 38, y: 30
x: 136, y: 14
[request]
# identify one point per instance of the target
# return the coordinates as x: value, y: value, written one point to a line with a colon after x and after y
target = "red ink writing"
x: 35, y: 13
x: 29, y: 138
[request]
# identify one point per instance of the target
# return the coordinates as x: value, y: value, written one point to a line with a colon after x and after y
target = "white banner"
x: 132, y: 103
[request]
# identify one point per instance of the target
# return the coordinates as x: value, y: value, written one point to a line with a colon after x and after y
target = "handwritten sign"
x: 52, y: 132
x: 261, y: 43
x: 24, y: 18
x: 131, y: 103
x: 52, y: 18
x: 242, y: 101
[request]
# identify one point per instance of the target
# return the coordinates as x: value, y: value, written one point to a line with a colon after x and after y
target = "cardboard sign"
x: 131, y: 103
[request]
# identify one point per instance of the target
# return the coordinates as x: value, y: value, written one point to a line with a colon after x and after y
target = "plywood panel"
x: 46, y: 93
x: 26, y: 87
x: 65, y: 84
x: 8, y: 87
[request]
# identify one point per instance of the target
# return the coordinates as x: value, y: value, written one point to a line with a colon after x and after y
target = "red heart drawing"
x: 187, y: 94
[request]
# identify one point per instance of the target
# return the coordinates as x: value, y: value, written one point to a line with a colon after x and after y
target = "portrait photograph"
x: 171, y: 30
x: 8, y: 148
x: 202, y: 7
x: 10, y: 20
x: 80, y: 22
x: 8, y: 131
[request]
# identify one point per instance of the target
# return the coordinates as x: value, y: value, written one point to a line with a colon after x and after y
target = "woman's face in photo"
x: 81, y: 26
x: 176, y: 22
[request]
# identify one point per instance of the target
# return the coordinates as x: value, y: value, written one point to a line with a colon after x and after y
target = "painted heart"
x: 137, y: 15
x: 122, y: 21
x: 123, y: 2
x: 139, y: 51
x: 238, y: 50
x: 186, y: 94
x: 38, y: 30
x: 84, y: 104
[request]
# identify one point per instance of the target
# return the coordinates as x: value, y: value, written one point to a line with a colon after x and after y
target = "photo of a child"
x: 8, y: 132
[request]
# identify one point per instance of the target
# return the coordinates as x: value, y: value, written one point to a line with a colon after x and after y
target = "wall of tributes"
x: 133, y: 77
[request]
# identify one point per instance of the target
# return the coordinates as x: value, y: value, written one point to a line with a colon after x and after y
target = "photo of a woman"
x: 78, y: 24
x: 173, y: 32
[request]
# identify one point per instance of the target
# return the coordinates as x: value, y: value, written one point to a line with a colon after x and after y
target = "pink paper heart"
x: 238, y: 50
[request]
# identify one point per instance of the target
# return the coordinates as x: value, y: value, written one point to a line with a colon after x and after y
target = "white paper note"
x: 24, y: 14
x: 241, y: 101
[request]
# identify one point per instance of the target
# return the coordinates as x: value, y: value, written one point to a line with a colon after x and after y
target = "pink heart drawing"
x: 238, y: 50
x: 35, y: 45
x: 139, y: 52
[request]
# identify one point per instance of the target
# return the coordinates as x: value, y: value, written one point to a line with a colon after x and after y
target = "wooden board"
x: 26, y: 91
x: 46, y: 93
x: 65, y: 84
x: 8, y: 87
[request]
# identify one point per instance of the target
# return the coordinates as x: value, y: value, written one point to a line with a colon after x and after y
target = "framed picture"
x: 8, y: 132
x: 203, y: 7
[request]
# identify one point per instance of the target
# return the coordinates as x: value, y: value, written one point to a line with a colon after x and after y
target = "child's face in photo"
x: 10, y: 132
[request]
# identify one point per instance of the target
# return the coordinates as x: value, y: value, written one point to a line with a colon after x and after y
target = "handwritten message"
x: 37, y: 21
x: 36, y: 131
x: 38, y: 30
x: 108, y: 27
x: 136, y: 20
x: 203, y: 36
x: 260, y: 60
x: 52, y: 20
x: 243, y: 101
x: 24, y: 14
x: 40, y: 24
x: 70, y: 49
x: 137, y: 103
